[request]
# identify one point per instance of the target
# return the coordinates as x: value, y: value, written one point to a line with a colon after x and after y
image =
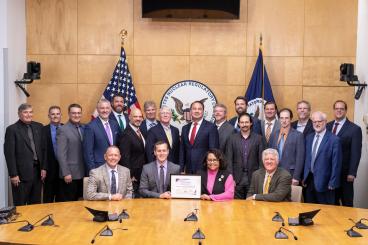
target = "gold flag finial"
x: 123, y: 36
x: 260, y: 40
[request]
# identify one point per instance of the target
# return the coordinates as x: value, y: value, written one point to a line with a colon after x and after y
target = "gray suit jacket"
x: 225, y: 131
x: 70, y: 152
x: 99, y: 185
x: 274, y: 129
x: 234, y: 155
x: 149, y: 185
x: 292, y: 158
x: 279, y: 189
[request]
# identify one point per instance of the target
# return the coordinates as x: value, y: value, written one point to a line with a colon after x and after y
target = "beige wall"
x: 78, y: 44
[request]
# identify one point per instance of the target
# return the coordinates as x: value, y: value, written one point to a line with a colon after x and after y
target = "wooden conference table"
x: 154, y: 221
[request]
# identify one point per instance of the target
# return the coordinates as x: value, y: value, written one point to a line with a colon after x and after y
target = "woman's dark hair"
x: 220, y: 157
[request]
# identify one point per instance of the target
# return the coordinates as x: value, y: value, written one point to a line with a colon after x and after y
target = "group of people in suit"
x: 128, y: 156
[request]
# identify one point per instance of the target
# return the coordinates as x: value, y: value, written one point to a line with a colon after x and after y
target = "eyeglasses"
x: 212, y: 160
x: 315, y: 122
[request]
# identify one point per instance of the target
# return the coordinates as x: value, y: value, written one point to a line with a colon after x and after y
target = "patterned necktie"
x: 335, y: 128
x: 267, y: 185
x: 193, y: 134
x: 139, y: 134
x: 314, y: 152
x: 152, y: 124
x: 281, y: 144
x: 162, y: 179
x: 108, y: 133
x: 113, y: 182
x: 31, y: 139
x: 121, y: 123
x: 268, y: 131
x: 168, y: 135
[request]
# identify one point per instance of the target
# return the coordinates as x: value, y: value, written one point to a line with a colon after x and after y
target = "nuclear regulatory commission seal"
x: 179, y: 97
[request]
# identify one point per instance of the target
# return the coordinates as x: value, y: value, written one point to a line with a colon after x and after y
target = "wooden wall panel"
x: 330, y: 27
x: 99, y: 25
x: 78, y: 45
x: 51, y: 26
x: 282, y: 24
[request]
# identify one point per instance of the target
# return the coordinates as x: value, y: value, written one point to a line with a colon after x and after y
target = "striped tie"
x: 268, y: 131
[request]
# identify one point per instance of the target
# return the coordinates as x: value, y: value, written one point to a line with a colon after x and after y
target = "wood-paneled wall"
x: 78, y: 45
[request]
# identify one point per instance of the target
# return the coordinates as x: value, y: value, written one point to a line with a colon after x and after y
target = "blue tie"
x: 314, y: 152
x: 281, y: 145
x: 113, y: 182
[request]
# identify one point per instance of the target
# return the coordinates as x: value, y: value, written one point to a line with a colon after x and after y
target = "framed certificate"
x: 185, y: 186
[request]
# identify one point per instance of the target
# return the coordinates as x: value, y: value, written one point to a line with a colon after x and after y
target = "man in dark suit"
x: 290, y: 145
x: 241, y: 105
x: 69, y: 139
x: 117, y: 114
x: 150, y: 121
x: 225, y: 129
x: 24, y: 158
x: 271, y: 183
x: 244, y: 155
x: 165, y: 132
x: 322, y: 169
x: 197, y: 138
x: 270, y: 125
x: 131, y: 144
x: 350, y: 136
x: 99, y: 135
x: 304, y: 123
x: 51, y: 183
x: 155, y: 179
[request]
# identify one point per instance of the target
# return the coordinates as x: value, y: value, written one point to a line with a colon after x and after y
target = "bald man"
x: 323, y: 161
x: 131, y: 144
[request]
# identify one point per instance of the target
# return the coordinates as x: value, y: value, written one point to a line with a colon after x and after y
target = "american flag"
x: 121, y: 83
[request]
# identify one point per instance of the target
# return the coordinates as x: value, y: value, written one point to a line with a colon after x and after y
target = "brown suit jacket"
x: 279, y: 189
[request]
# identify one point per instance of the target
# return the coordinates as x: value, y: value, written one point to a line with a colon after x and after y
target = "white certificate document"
x: 185, y: 186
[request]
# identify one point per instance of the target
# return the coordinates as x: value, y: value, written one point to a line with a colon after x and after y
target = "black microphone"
x: 94, y: 238
x: 26, y: 228
x: 47, y: 222
x: 352, y: 233
x: 123, y: 215
x: 192, y: 216
x: 278, y: 218
x: 282, y: 228
x: 360, y: 224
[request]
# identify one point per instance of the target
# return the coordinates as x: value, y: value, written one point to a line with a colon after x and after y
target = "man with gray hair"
x: 165, y: 132
x: 304, y: 123
x: 150, y: 121
x: 224, y: 128
x: 323, y: 162
x: 99, y: 134
x: 270, y: 183
x: 24, y: 158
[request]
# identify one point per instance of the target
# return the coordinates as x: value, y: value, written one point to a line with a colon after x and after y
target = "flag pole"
x: 262, y: 78
x: 123, y: 36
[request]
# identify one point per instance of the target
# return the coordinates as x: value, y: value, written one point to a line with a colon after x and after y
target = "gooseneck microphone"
x: 278, y: 218
x: 26, y: 228
x: 280, y: 231
x: 103, y: 228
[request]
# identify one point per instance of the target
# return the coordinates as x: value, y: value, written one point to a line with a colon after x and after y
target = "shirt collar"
x: 341, y: 122
x: 117, y: 114
x: 103, y: 121
x: 109, y: 168
x: 220, y: 124
x: 273, y: 121
x: 321, y: 134
x: 158, y: 164
x: 271, y: 174
x: 199, y: 122
x: 133, y: 127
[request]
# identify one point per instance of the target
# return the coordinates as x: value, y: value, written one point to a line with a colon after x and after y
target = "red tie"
x: 335, y: 128
x: 192, y: 135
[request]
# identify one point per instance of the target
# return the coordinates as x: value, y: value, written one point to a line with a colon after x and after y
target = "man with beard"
x: 241, y: 105
x: 131, y: 144
x: 244, y: 154
x: 117, y: 114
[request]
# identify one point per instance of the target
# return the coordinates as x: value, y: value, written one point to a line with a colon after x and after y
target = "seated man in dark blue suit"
x: 322, y: 167
x: 241, y: 105
x: 99, y: 135
x: 117, y: 113
x: 350, y: 136
x: 197, y: 138
x: 165, y: 132
x: 290, y: 145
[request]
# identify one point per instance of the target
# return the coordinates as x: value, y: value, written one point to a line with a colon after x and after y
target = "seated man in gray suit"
x: 270, y: 183
x: 110, y: 181
x: 155, y: 178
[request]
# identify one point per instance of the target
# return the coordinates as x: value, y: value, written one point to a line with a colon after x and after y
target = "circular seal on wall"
x: 179, y: 97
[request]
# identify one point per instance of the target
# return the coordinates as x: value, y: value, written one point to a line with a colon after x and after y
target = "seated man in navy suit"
x: 197, y: 138
x: 99, y: 135
x: 350, y: 136
x: 322, y: 167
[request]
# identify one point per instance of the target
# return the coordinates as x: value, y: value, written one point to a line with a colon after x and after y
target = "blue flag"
x: 254, y: 91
